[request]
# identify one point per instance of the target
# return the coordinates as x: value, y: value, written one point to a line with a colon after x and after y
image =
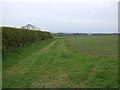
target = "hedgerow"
x: 15, y: 37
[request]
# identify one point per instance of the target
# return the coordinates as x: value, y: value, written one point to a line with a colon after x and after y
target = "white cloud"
x: 60, y: 1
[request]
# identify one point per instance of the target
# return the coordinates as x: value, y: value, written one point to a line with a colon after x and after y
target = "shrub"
x: 15, y: 37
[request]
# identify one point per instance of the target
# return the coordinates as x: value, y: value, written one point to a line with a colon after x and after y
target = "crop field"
x: 75, y: 62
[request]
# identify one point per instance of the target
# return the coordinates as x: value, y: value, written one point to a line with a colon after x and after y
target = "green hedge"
x: 15, y: 37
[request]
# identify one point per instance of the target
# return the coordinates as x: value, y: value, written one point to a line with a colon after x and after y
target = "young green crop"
x: 63, y: 63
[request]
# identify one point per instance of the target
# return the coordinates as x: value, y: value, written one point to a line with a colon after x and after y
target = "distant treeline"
x: 15, y: 37
x: 84, y: 34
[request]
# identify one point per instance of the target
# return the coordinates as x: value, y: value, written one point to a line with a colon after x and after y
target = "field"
x: 75, y: 62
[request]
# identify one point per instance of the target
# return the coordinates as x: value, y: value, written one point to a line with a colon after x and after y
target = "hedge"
x: 15, y: 37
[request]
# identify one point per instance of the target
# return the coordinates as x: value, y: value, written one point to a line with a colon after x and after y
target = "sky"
x: 68, y: 16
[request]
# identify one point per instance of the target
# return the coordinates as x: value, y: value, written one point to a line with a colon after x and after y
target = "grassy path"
x: 57, y: 63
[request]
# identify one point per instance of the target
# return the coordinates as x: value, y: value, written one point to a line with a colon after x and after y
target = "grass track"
x: 61, y: 63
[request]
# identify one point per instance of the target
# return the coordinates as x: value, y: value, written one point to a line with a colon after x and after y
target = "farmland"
x: 74, y: 62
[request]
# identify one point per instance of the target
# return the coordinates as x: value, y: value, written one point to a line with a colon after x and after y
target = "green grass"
x: 81, y: 62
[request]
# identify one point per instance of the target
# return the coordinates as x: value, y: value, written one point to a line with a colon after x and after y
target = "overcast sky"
x: 62, y: 15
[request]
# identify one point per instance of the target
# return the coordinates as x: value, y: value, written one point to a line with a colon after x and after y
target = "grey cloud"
x: 63, y: 17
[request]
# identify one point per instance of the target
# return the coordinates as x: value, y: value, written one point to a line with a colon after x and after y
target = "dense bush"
x: 15, y: 37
